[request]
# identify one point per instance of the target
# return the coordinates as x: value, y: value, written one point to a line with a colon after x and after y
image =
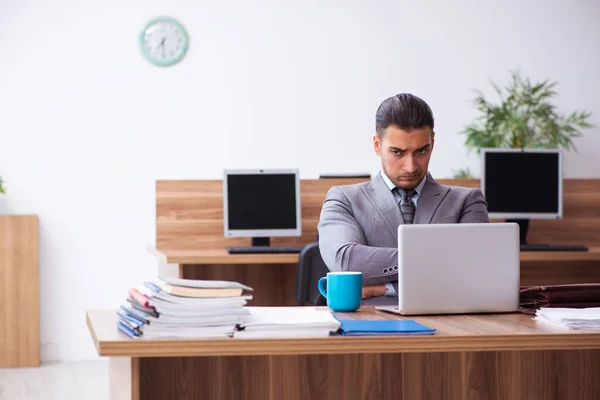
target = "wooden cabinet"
x: 19, y: 292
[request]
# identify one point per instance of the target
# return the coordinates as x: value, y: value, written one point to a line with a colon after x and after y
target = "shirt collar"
x: 391, y: 185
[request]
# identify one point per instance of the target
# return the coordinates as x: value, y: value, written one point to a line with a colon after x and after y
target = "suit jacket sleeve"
x: 475, y: 208
x: 343, y: 246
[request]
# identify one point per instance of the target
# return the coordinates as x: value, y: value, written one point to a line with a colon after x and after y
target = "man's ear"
x: 432, y: 139
x: 377, y: 144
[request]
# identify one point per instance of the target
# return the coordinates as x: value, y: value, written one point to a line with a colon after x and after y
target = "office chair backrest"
x: 311, y: 268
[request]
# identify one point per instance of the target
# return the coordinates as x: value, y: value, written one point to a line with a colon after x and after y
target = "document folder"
x: 383, y: 328
x: 582, y: 295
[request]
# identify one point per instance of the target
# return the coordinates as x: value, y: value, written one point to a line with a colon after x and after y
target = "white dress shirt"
x: 415, y: 199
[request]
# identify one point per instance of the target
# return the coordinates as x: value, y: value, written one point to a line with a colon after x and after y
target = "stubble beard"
x: 402, y: 185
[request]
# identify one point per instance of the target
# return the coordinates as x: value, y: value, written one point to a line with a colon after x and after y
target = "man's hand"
x: 373, y: 291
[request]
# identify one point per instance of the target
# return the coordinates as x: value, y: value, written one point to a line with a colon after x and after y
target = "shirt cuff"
x: 390, y: 289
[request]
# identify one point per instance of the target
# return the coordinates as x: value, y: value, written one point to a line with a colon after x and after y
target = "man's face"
x: 405, y: 155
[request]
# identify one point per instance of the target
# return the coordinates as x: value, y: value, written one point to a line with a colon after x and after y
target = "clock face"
x: 164, y: 41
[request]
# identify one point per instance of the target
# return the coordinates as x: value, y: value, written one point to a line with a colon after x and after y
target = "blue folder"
x: 127, y: 330
x: 400, y: 327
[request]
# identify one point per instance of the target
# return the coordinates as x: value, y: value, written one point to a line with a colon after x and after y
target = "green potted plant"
x: 523, y: 118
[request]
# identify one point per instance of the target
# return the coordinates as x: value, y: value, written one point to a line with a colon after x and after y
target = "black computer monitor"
x: 522, y: 184
x: 261, y: 204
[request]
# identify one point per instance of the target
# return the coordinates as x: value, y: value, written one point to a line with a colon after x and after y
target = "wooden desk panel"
x: 19, y: 288
x: 581, y: 214
x: 507, y: 356
x: 189, y: 213
x: 528, y: 375
x: 273, y: 284
x: 559, y: 272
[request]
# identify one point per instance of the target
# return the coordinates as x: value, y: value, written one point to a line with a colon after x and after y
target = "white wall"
x: 87, y: 125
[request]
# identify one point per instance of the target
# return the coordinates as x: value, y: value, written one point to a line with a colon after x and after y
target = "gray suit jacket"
x: 358, y: 228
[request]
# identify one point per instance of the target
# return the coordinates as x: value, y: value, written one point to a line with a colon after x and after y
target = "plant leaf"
x: 524, y: 117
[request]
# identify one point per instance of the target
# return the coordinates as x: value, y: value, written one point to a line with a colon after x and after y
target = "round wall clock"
x: 164, y: 41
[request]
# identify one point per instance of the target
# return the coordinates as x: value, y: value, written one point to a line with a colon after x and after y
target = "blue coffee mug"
x: 344, y: 290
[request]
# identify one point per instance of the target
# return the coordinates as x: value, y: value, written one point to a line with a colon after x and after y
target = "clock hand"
x: 162, y: 44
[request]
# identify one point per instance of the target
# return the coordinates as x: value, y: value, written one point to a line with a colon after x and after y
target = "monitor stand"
x: 261, y: 241
x: 524, y: 228
x: 262, y: 245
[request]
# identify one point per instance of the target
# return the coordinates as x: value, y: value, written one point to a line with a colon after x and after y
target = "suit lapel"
x: 429, y: 200
x: 383, y: 199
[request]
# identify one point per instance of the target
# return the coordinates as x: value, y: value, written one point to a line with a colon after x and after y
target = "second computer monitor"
x: 522, y: 183
x: 261, y: 203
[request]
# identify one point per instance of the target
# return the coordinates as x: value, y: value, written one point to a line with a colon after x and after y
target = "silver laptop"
x: 457, y: 269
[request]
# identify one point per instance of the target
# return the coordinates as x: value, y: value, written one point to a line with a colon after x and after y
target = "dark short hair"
x: 404, y: 110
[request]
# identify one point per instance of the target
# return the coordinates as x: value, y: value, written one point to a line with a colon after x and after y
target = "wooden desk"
x: 190, y: 241
x: 505, y: 356
x: 274, y: 275
x: 222, y: 257
x: 183, y: 257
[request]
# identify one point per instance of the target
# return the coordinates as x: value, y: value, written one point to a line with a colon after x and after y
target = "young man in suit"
x: 358, y: 227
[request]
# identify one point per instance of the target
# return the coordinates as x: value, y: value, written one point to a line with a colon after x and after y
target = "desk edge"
x: 156, y: 253
x: 93, y: 333
x: 345, y: 345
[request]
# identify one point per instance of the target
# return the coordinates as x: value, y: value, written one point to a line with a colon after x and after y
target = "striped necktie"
x: 407, y: 207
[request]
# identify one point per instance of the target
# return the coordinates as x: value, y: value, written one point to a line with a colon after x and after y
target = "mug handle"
x: 321, y: 287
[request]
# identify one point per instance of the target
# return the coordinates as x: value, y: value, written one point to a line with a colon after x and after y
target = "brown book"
x: 201, y: 288
x: 186, y: 291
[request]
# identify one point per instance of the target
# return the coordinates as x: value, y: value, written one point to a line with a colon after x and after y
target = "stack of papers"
x: 287, y: 322
x: 572, y: 318
x: 183, y: 308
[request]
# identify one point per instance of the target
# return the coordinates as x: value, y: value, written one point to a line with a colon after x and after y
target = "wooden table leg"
x: 124, y: 378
